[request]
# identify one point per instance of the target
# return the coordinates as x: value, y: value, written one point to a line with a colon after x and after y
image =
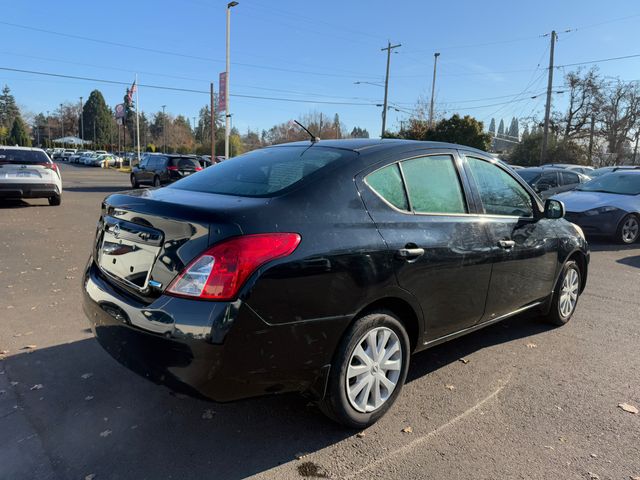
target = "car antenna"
x: 314, y: 139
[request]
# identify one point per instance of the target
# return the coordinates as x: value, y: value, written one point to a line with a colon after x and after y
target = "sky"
x: 493, y: 55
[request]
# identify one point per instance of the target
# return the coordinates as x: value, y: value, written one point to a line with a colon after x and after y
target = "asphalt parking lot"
x: 528, y: 401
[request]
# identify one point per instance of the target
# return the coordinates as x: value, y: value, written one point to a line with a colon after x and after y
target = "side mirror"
x: 553, y: 209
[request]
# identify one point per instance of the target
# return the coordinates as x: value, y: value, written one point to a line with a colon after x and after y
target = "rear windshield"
x: 190, y: 163
x: 8, y: 155
x: 263, y: 173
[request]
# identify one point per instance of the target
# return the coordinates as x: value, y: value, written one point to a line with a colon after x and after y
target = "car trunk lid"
x: 146, y: 238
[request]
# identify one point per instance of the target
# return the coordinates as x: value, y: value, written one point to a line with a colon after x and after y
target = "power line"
x: 179, y: 55
x: 602, y: 60
x: 177, y: 89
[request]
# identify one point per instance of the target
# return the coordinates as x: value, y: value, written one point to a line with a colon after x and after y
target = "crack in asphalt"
x: 428, y: 436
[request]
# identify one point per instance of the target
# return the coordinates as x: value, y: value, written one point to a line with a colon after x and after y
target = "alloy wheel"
x: 569, y: 292
x: 630, y: 229
x: 374, y: 369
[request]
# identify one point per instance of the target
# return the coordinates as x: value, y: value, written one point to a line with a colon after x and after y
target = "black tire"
x: 55, y: 200
x: 622, y: 236
x: 156, y: 182
x: 336, y: 404
x: 556, y: 315
x: 134, y: 181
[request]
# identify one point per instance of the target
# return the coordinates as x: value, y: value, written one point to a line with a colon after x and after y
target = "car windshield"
x: 529, y: 175
x: 263, y: 173
x: 22, y: 157
x: 621, y: 183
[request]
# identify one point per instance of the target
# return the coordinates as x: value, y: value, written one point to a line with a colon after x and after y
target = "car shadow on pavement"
x: 16, y: 203
x: 102, y: 189
x: 633, y: 261
x: 603, y: 246
x: 84, y: 413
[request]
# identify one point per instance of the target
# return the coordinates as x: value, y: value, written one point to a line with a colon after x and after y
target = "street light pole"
x: 61, y: 125
x: 433, y: 88
x: 227, y: 126
x: 164, y: 131
x: 386, y: 86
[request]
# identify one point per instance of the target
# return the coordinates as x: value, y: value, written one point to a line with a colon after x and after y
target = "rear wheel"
x: 368, y: 370
x: 156, y: 181
x: 566, y: 294
x: 629, y: 229
x: 134, y: 181
x: 55, y: 200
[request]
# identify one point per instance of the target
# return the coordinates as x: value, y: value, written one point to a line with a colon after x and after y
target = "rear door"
x: 569, y: 180
x: 548, y: 184
x: 524, y: 244
x: 441, y: 251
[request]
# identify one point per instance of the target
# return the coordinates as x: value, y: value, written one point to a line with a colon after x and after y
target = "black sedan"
x: 159, y: 169
x: 320, y: 267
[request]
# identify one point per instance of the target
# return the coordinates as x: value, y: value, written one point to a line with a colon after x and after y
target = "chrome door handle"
x: 506, y: 244
x: 410, y: 253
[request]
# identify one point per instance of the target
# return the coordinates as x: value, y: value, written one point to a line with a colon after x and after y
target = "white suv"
x: 29, y: 173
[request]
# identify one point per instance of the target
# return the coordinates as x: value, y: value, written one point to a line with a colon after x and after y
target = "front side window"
x: 500, y: 193
x: 548, y: 180
x: 569, y: 178
x: 387, y: 183
x: 433, y: 185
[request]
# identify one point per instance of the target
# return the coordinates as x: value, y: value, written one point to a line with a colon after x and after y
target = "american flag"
x: 131, y: 91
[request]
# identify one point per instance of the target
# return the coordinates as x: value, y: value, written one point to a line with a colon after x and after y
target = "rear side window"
x: 548, y: 180
x: 569, y: 178
x: 23, y: 157
x: 433, y: 185
x: 387, y: 182
x: 500, y: 193
x: 265, y: 172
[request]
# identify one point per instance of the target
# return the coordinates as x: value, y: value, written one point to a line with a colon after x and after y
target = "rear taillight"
x: 173, y: 169
x: 51, y: 166
x: 220, y: 272
x: 198, y: 169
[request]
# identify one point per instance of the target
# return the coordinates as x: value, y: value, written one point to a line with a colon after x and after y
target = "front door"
x: 440, y: 251
x: 523, y: 243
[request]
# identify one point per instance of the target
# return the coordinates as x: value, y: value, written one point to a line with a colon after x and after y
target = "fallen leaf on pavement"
x: 84, y: 376
x: 29, y: 347
x: 593, y: 476
x: 106, y: 433
x: 464, y: 360
x: 407, y: 430
x: 37, y: 386
x: 360, y: 434
x: 88, y: 397
x: 208, y: 414
x: 91, y: 476
x: 593, y: 455
x: 4, y: 352
x: 532, y: 345
x: 628, y: 408
x: 637, y: 477
x: 449, y: 387
x: 13, y: 384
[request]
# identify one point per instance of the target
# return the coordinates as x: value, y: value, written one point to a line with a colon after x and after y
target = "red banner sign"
x: 222, y: 92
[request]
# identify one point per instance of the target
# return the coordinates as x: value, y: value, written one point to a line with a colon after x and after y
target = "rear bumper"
x: 219, y: 350
x: 28, y: 190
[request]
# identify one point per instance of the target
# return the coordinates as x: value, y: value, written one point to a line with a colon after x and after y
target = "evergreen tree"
x: 514, y: 130
x: 9, y: 111
x: 97, y: 118
x: 358, y: 132
x: 19, y: 135
x: 501, y: 128
x: 492, y: 127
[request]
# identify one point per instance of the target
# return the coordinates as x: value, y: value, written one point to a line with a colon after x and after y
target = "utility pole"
x: 547, y: 108
x: 81, y: 121
x: 49, y: 128
x: 213, y: 126
x: 61, y: 124
x: 227, y: 126
x: 164, y: 131
x: 386, y: 85
x: 433, y: 88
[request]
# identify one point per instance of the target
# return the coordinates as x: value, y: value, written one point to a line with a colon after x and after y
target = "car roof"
x: 28, y: 149
x: 547, y: 169
x: 377, y: 144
